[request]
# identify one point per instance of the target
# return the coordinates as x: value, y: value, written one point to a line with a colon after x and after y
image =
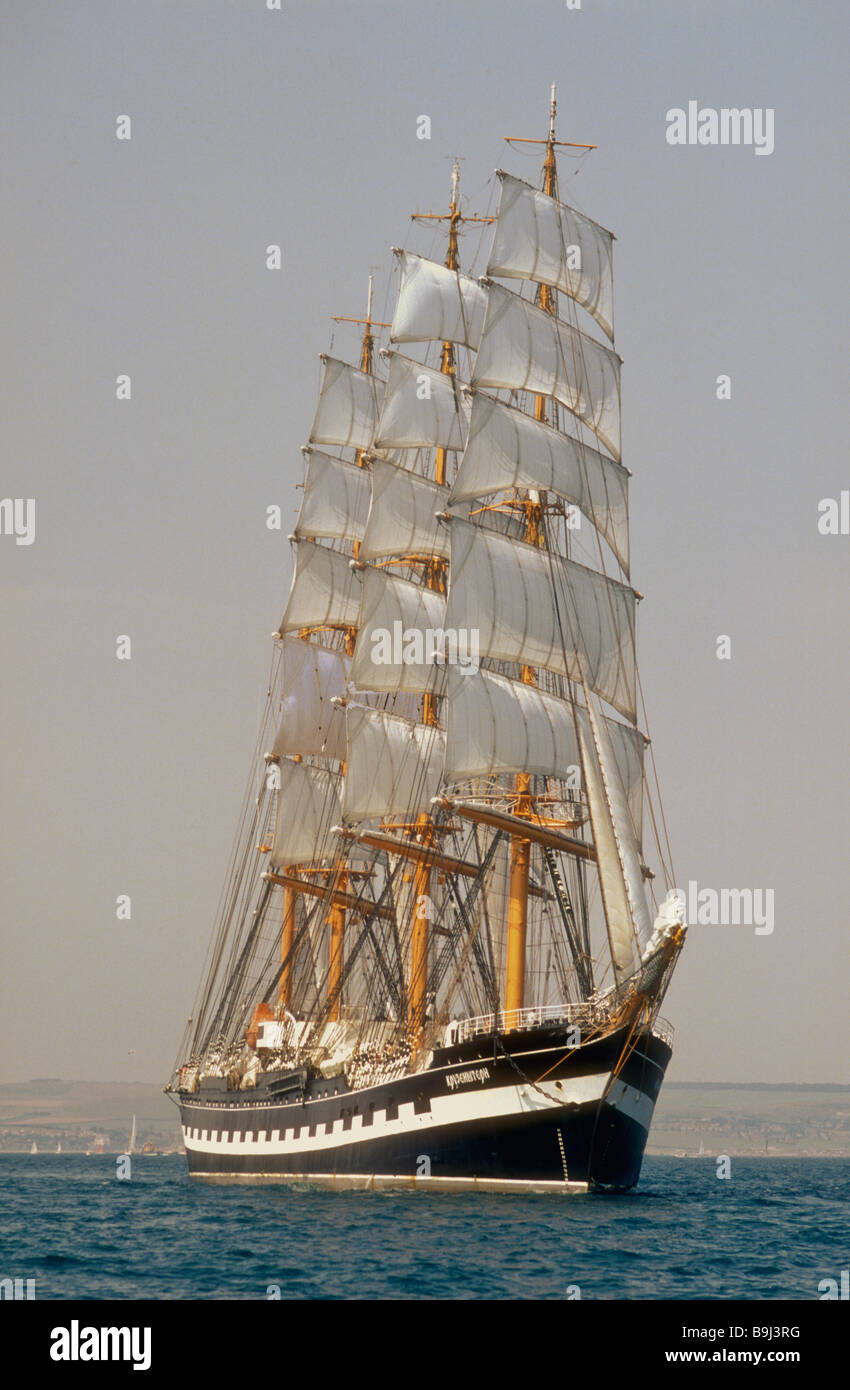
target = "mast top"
x: 550, y: 140
x: 366, y: 351
x: 454, y: 217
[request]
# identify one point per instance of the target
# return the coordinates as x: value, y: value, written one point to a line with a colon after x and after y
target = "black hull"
x: 519, y: 1111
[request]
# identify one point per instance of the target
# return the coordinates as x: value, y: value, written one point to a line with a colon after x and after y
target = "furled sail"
x: 507, y: 449
x: 393, y: 765
x: 311, y: 676
x: 525, y: 349
x: 538, y: 238
x: 348, y: 406
x: 403, y: 519
x: 498, y: 725
x: 400, y: 629
x: 336, y: 499
x: 436, y: 304
x: 532, y: 606
x: 422, y: 408
x: 308, y: 806
x: 325, y: 589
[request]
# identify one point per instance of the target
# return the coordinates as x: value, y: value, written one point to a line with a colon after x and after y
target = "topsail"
x: 538, y: 238
x: 524, y: 349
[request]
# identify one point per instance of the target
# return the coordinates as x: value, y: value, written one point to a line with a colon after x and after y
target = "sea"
x: 776, y: 1228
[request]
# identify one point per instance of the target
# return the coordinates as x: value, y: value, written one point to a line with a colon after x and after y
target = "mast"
x: 287, y: 940
x: 534, y: 507
x: 435, y: 579
x: 336, y: 878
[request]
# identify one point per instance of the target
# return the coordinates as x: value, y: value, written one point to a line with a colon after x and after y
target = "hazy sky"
x: 147, y: 257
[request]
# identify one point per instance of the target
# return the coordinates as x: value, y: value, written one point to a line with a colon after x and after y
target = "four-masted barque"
x: 436, y: 963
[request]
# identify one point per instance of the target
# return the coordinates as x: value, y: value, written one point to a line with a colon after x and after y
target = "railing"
x: 585, y: 1015
x: 664, y: 1030
x: 509, y: 1019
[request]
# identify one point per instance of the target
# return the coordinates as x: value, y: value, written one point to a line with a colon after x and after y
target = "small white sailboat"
x: 34, y: 1147
x: 131, y: 1142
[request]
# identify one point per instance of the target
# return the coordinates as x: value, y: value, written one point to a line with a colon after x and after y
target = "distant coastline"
x: 756, y: 1119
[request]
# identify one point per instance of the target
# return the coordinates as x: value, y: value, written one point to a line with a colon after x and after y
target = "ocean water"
x: 773, y: 1230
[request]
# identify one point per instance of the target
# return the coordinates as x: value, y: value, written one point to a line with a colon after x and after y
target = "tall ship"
x: 441, y: 952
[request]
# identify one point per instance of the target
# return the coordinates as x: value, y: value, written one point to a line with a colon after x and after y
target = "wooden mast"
x: 434, y: 579
x: 337, y: 878
x: 290, y: 902
x: 534, y: 508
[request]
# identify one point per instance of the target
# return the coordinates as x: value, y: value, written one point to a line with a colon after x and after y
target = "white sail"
x: 393, y: 765
x: 402, y: 520
x: 400, y: 629
x: 498, y: 725
x: 311, y: 676
x: 537, y: 608
x: 618, y: 855
x: 436, y: 304
x: 618, y: 919
x: 538, y: 238
x: 336, y: 499
x: 628, y: 746
x: 308, y: 806
x: 422, y: 408
x: 348, y: 406
x: 325, y: 589
x: 507, y: 449
x: 525, y: 349
x: 628, y: 844
x: 495, y: 724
